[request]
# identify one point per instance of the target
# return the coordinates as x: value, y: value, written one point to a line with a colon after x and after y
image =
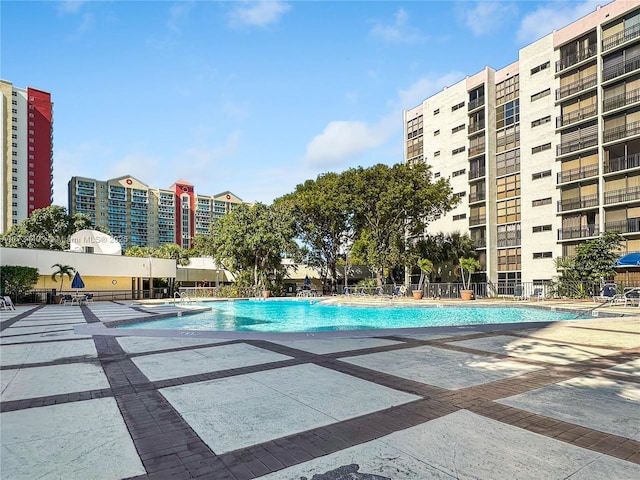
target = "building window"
x: 460, y: 194
x: 541, y: 228
x: 436, y: 133
x: 436, y: 175
x: 462, y: 216
x: 541, y: 148
x: 457, y: 129
x: 539, y: 95
x: 539, y: 68
x: 539, y: 175
x: 459, y: 172
x: 537, y: 255
x: 541, y: 121
x: 541, y: 201
x: 14, y: 179
x: 507, y: 187
x: 436, y: 154
x: 436, y: 111
x: 457, y: 150
x: 14, y: 119
x: 458, y: 106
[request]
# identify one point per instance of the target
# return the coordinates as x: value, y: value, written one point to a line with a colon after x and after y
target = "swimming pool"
x: 304, y: 316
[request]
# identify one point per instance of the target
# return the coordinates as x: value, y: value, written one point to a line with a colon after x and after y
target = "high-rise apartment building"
x: 543, y: 153
x: 26, y: 168
x: 148, y: 217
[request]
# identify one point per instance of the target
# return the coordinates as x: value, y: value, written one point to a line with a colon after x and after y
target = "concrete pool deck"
x: 552, y: 401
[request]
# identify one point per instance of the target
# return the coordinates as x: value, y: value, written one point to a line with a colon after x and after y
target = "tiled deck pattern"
x: 82, y: 401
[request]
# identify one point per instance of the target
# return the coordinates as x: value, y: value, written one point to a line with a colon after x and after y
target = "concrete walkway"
x: 81, y: 401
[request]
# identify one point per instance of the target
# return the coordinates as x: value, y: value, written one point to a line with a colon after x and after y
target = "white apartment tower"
x: 543, y: 153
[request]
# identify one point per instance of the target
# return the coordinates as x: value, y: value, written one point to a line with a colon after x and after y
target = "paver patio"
x: 82, y: 401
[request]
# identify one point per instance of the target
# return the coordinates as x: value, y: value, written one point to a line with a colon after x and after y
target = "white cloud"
x: 178, y: 14
x: 552, y: 16
x: 71, y: 6
x: 487, y: 17
x: 258, y: 14
x: 343, y: 141
x: 398, y: 31
x: 425, y: 87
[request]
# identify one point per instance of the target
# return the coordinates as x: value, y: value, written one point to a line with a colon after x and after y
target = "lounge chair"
x: 7, y: 304
x: 538, y: 294
x: 399, y: 291
x: 517, y: 293
x: 631, y: 296
x: 66, y: 300
x: 606, y: 294
x: 88, y: 298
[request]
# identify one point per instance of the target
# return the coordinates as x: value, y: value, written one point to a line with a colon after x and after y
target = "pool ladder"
x: 182, y: 296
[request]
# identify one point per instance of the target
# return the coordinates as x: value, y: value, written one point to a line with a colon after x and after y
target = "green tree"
x: 17, y: 280
x: 47, y: 228
x: 62, y: 271
x: 467, y: 266
x: 321, y: 212
x: 173, y: 251
x: 252, y: 238
x: 445, y: 250
x: 140, y: 252
x: 391, y: 202
x: 426, y: 267
x: 592, y: 263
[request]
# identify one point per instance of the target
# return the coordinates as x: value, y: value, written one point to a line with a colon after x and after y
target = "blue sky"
x: 251, y: 97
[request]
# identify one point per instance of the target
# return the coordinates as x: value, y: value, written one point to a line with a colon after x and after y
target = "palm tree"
x: 63, y: 270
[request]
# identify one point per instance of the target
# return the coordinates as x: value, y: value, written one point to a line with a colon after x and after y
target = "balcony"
x: 575, y: 58
x: 583, y: 231
x: 477, y: 220
x: 477, y: 172
x: 578, y: 144
x: 586, y: 201
x: 621, y: 100
x: 621, y: 37
x: 476, y: 150
x: 622, y: 131
x: 480, y: 242
x: 615, y: 71
x: 630, y: 225
x: 477, y: 103
x: 576, y: 116
x: 577, y: 173
x: 622, y: 163
x: 577, y: 86
x: 477, y: 197
x: 508, y: 242
x: 623, y: 195
x: 475, y: 127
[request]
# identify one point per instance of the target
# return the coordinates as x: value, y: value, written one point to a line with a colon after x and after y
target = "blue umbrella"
x: 77, y: 281
x: 629, y: 260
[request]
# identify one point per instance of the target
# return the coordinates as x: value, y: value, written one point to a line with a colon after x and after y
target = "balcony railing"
x: 477, y: 197
x: 577, y: 173
x: 475, y: 127
x: 621, y: 100
x: 586, y: 201
x: 630, y: 225
x: 622, y: 163
x: 627, y: 66
x: 622, y: 131
x: 575, y: 58
x: 577, y: 86
x: 473, y: 104
x: 623, y: 195
x: 621, y: 37
x: 508, y: 242
x: 576, y: 116
x: 480, y: 242
x: 578, y: 232
x: 477, y: 173
x: 578, y: 144
x: 477, y: 150
x: 477, y: 220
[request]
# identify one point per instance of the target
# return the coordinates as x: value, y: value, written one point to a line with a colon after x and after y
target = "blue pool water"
x: 305, y: 316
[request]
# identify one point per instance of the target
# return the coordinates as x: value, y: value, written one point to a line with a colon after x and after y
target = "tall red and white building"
x: 26, y: 169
